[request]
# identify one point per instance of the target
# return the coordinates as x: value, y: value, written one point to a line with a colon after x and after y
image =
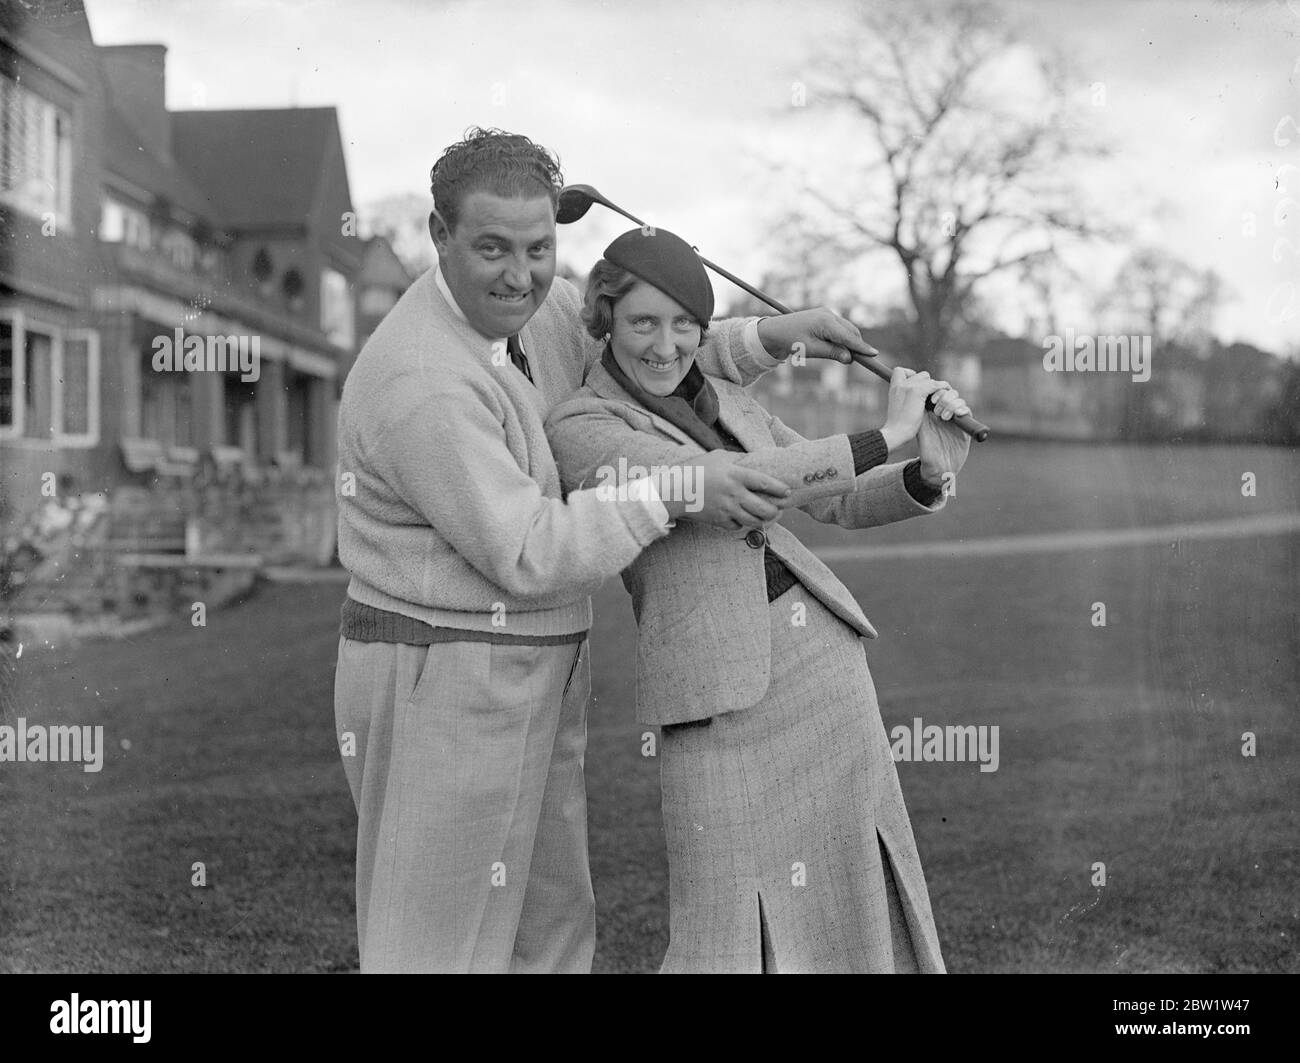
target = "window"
x: 38, y: 368
x: 112, y: 222
x: 122, y: 224
x: 212, y: 261
x: 179, y: 248
x: 35, y: 153
x: 298, y: 415
x: 76, y: 388
x: 336, y: 309
x: 49, y: 382
x: 241, y: 415
x: 11, y: 380
x: 139, y: 233
x: 166, y: 404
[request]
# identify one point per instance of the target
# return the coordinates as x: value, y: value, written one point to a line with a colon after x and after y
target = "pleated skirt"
x: 789, y: 845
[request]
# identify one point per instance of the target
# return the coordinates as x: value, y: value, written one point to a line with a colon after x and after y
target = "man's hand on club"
x: 728, y: 495
x: 906, y: 411
x: 819, y: 333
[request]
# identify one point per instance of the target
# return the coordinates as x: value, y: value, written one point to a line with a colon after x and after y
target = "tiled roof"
x: 127, y: 155
x: 382, y: 267
x: 257, y: 168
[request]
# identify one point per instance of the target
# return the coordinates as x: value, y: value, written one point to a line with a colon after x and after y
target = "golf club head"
x: 575, y: 201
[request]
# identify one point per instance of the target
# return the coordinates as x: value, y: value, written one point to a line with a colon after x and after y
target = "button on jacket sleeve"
x: 878, y: 496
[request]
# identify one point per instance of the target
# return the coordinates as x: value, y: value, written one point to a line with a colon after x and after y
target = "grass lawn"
x: 1119, y: 745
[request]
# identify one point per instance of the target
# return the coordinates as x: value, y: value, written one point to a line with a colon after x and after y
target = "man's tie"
x: 516, y: 351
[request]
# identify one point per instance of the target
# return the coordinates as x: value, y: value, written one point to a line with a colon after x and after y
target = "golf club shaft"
x: 973, y: 428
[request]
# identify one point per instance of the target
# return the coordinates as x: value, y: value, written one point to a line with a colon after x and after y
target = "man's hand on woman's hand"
x: 725, y: 494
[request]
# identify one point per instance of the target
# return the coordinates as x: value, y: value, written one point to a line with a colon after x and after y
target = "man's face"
x: 500, y: 260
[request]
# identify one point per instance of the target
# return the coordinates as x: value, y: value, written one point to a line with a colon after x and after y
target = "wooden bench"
x: 153, y: 582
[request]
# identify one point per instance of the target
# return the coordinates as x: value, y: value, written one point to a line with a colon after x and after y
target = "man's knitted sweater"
x: 450, y: 507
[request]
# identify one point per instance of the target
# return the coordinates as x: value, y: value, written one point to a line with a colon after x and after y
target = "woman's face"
x: 653, y: 339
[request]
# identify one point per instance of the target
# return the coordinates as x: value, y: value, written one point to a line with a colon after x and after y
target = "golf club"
x: 576, y: 200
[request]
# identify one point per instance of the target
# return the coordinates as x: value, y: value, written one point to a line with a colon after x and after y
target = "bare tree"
x: 965, y: 148
x: 1164, y: 296
x: 1159, y: 295
x: 809, y: 258
x: 1046, y: 280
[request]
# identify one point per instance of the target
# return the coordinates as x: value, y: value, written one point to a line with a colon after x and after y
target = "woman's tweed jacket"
x: 704, y: 638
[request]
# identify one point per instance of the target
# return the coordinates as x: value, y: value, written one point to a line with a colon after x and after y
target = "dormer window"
x: 179, y: 249
x: 120, y: 223
x: 263, y: 267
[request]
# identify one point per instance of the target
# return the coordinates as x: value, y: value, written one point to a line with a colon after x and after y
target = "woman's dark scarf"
x: 692, y: 406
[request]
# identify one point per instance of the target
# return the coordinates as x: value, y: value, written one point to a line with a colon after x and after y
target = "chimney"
x: 136, y: 76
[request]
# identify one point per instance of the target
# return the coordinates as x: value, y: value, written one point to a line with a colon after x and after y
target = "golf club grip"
x: 977, y: 430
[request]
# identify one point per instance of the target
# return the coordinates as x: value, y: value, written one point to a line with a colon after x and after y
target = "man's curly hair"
x: 492, y: 160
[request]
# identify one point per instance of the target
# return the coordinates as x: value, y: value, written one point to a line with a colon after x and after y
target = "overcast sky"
x: 665, y: 106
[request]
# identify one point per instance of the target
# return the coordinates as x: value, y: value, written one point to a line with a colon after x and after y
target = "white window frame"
x: 90, y: 437
x: 21, y: 325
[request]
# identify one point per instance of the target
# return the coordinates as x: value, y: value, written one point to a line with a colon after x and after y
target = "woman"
x: 789, y: 845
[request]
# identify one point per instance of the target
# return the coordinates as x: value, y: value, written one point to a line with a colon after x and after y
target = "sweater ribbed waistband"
x: 365, y: 623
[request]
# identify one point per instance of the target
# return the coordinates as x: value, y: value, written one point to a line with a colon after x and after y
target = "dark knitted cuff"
x: 869, y: 450
x: 918, y: 488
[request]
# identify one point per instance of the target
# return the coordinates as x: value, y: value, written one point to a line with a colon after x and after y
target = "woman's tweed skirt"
x: 777, y: 818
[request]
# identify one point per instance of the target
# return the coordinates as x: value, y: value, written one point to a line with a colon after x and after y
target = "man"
x: 463, y: 672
